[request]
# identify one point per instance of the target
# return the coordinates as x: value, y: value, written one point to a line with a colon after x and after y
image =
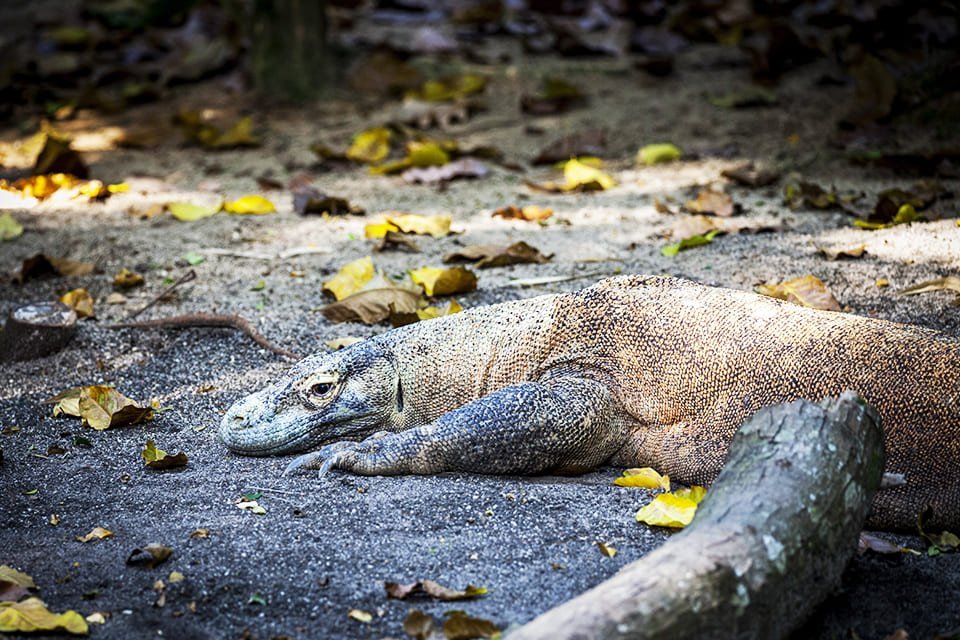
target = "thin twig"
x: 208, y: 320
x: 187, y: 277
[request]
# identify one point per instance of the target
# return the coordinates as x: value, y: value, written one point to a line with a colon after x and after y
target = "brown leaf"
x: 950, y: 283
x: 530, y: 213
x: 126, y: 279
x: 393, y: 240
x: 592, y: 142
x: 159, y: 459
x: 838, y: 252
x: 149, y: 555
x: 418, y: 625
x: 808, y: 195
x: 432, y: 589
x: 444, y: 282
x: 373, y: 305
x: 807, y: 291
x: 80, y: 301
x: 41, y: 265
x: 485, y: 256
x: 749, y: 175
x: 460, y: 626
x: 307, y: 199
x: 97, y: 533
x: 14, y: 584
x: 713, y: 202
x: 99, y: 407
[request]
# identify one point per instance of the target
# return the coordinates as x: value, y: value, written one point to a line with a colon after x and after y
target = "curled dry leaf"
x: 351, y: 278
x: 460, y: 626
x: 371, y: 146
x: 250, y: 505
x: 713, y: 202
x: 579, y: 176
x: 14, y: 584
x: 360, y: 615
x: 41, y: 265
x: 437, y: 281
x: 80, y: 301
x: 149, y: 555
x: 432, y: 589
x: 126, y: 279
x: 99, y: 407
x: 395, y: 240
x: 32, y: 615
x: 377, y: 301
x: 486, y: 256
x: 645, y: 478
x: 418, y: 625
x: 807, y: 291
x: 607, y: 549
x: 949, y: 283
x: 159, y: 459
x: 420, y: 153
x: 97, y: 533
x: 437, y: 226
x: 530, y: 213
x: 748, y: 175
x: 838, y: 252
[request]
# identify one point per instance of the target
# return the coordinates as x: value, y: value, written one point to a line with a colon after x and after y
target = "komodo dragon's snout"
x: 326, y: 397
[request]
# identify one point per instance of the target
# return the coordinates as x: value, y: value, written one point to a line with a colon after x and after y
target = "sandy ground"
x: 326, y: 546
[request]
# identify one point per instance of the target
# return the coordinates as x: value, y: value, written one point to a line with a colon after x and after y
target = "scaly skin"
x: 634, y: 371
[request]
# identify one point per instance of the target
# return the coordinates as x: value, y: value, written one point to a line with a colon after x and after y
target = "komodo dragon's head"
x: 326, y: 397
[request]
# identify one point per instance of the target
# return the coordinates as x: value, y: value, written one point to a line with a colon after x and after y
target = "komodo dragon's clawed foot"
x: 338, y: 455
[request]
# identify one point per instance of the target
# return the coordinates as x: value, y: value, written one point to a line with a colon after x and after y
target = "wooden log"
x: 768, y: 544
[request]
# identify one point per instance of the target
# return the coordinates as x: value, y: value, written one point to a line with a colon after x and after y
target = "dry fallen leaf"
x: 159, y: 459
x: 485, y: 256
x: 351, y: 278
x: 838, y: 252
x: 432, y: 589
x: 460, y: 626
x: 425, y: 313
x: 645, y: 478
x: 80, y: 301
x: 579, y: 176
x: 360, y: 615
x: 149, y: 555
x: 41, y: 265
x: 437, y: 281
x: 950, y: 283
x: 713, y: 202
x: 99, y: 407
x: 126, y: 279
x: 189, y: 212
x: 530, y: 212
x: 418, y: 625
x: 14, y: 584
x: 749, y: 175
x: 807, y: 291
x: 607, y: 549
x: 379, y: 299
x: 437, y: 226
x: 32, y: 615
x: 342, y: 343
x: 371, y: 146
x: 97, y: 533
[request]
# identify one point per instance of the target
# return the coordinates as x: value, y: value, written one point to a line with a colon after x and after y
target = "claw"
x: 307, y: 460
x: 330, y: 463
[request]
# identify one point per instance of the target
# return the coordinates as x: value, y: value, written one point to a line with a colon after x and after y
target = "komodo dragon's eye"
x: 321, y: 388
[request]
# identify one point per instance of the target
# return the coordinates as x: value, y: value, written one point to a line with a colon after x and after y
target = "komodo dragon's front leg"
x: 563, y: 424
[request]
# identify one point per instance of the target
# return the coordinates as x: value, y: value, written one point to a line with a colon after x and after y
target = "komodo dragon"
x: 633, y: 371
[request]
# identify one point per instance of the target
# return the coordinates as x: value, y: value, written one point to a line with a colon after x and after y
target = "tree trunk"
x: 767, y: 545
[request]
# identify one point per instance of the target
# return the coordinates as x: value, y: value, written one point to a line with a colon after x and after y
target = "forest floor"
x: 325, y: 547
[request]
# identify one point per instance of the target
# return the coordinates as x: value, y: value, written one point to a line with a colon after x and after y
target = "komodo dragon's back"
x: 634, y: 371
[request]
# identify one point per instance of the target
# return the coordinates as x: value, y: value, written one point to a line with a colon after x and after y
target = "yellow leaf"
x: 656, y: 153
x: 607, y: 549
x: 32, y: 615
x: 188, y: 212
x: 9, y: 227
x: 120, y: 187
x: 376, y: 230
x: 97, y: 533
x: 645, y: 478
x: 360, y: 615
x: 80, y: 301
x: 436, y: 226
x: 160, y: 459
x: 807, y: 291
x: 239, y: 135
x: 882, y: 282
x: 251, y: 204
x: 429, y: 313
x: 99, y: 407
x: 530, y: 212
x: 125, y: 279
x: 668, y: 510
x: 696, y: 493
x: 370, y: 146
x: 426, y: 154
x: 450, y: 89
x: 351, y: 278
x: 582, y: 176
x: 437, y: 281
